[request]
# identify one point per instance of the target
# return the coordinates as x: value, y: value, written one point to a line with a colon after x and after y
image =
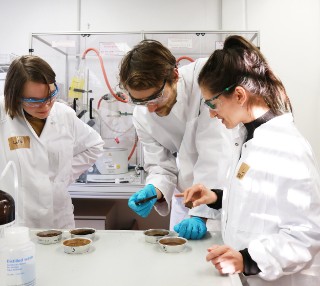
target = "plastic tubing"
x: 99, y: 102
x: 121, y: 97
x: 185, y: 58
x: 133, y: 148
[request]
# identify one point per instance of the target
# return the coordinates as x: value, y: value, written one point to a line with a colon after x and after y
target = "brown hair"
x: 241, y: 63
x: 21, y: 70
x: 147, y: 65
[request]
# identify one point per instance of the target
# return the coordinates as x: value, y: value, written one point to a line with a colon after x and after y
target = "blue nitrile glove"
x: 191, y: 228
x: 145, y: 208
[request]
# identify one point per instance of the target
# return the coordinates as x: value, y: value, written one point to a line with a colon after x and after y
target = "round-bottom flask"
x: 7, y: 211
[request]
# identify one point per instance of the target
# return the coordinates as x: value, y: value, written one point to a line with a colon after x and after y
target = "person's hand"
x: 225, y: 259
x: 198, y: 194
x: 191, y: 228
x: 143, y: 209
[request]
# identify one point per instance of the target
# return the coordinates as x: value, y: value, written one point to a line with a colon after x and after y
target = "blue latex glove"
x: 145, y: 208
x: 191, y: 228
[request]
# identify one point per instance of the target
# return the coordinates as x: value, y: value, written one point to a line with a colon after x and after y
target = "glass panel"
x: 82, y: 82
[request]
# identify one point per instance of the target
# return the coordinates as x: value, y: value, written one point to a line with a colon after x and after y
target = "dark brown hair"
x: 241, y: 63
x: 147, y: 65
x: 21, y: 70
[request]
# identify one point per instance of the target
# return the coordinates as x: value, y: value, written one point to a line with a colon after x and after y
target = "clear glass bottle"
x: 7, y: 211
x: 19, y: 257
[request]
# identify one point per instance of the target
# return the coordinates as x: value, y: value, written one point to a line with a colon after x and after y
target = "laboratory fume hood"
x: 87, y: 66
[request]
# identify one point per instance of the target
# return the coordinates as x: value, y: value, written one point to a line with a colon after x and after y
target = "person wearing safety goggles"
x: 181, y: 145
x: 48, y: 143
x: 271, y: 207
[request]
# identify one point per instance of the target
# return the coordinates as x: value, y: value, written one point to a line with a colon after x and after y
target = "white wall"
x: 290, y: 34
x: 19, y: 18
x: 136, y: 15
x: 291, y: 42
x: 290, y: 39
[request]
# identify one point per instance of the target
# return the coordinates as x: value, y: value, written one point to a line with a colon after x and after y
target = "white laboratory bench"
x: 123, y: 258
x: 103, y: 190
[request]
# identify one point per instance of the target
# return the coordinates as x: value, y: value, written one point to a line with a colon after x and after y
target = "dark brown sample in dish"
x: 82, y: 231
x: 157, y: 232
x: 172, y: 241
x: 49, y: 233
x: 76, y: 242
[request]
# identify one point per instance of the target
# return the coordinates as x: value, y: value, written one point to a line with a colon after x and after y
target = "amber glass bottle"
x: 7, y: 211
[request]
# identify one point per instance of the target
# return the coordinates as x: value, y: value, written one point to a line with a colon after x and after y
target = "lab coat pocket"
x: 248, y: 212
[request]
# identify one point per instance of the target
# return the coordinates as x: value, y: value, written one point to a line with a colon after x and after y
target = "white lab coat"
x: 274, y: 210
x: 66, y: 147
x: 203, y: 145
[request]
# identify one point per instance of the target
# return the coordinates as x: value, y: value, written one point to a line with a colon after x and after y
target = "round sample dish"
x: 153, y: 235
x: 77, y: 245
x: 49, y: 236
x: 83, y: 232
x: 172, y: 244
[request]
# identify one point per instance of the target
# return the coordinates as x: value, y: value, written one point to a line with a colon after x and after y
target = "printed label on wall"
x: 179, y: 43
x: 113, y: 48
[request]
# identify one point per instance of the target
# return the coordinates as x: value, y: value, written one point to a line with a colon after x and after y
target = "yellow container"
x: 76, y: 87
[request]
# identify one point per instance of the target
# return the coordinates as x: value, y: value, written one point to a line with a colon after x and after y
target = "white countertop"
x: 103, y: 190
x: 124, y: 258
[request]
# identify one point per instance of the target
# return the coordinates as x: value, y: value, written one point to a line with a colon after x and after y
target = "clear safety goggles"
x: 155, y: 98
x: 32, y: 102
x: 209, y: 102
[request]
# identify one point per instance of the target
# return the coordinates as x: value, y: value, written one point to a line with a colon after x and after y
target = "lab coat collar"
x: 276, y: 121
x: 179, y: 107
x: 241, y: 131
x: 52, y: 118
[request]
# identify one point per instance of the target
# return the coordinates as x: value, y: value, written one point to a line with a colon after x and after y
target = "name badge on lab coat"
x: 18, y: 142
x: 243, y: 170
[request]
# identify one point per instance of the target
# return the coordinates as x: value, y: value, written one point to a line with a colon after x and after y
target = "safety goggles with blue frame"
x: 32, y: 102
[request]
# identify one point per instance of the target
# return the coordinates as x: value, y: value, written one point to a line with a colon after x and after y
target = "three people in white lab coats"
x: 271, y: 207
x: 49, y: 145
x: 181, y: 144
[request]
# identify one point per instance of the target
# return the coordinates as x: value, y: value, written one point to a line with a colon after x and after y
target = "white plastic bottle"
x: 19, y: 254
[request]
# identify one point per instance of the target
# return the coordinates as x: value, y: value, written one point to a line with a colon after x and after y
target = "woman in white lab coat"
x: 170, y: 118
x: 271, y: 208
x: 50, y: 146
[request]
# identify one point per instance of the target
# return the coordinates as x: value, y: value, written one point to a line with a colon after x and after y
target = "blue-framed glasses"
x: 154, y: 98
x: 213, y: 106
x: 32, y: 102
